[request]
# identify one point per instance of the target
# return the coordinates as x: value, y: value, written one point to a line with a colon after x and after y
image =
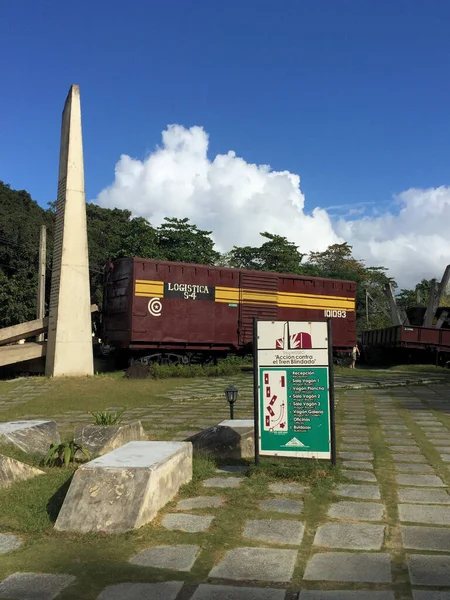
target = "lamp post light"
x: 231, y: 394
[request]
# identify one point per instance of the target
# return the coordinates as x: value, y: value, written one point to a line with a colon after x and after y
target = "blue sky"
x: 353, y: 95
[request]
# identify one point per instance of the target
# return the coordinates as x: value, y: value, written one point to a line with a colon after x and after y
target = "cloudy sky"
x: 237, y: 200
x: 321, y: 120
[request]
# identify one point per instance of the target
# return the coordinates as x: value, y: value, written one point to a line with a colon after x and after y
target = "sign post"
x: 294, y: 395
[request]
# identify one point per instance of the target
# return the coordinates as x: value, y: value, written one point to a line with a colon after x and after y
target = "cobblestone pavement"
x: 383, y: 533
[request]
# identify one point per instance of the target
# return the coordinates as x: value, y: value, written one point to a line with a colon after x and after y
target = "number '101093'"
x: 340, y: 314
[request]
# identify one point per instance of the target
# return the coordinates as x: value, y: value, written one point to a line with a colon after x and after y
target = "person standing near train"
x: 355, y: 351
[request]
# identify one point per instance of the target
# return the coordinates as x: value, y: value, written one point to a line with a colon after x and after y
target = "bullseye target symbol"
x: 155, y: 307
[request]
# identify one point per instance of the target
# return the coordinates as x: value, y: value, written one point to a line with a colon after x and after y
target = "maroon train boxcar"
x: 170, y: 311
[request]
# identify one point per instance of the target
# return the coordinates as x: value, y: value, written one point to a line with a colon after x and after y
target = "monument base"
x: 229, y: 439
x: 101, y: 439
x: 33, y: 437
x: 126, y: 488
x: 12, y: 470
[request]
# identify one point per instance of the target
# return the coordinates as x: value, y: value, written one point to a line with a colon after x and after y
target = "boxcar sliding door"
x: 257, y: 298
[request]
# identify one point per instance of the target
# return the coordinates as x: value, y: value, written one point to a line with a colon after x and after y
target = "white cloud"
x: 237, y: 200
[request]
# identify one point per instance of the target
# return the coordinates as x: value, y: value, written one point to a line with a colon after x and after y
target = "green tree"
x: 276, y: 254
x: 181, y: 241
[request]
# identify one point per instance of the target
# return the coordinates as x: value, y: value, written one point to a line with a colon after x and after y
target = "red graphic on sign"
x: 266, y: 378
x: 283, y: 381
x: 275, y: 401
x: 272, y: 402
x: 298, y: 340
x: 268, y: 392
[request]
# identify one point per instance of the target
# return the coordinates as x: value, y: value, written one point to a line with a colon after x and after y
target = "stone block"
x: 12, y: 470
x: 429, y: 569
x: 425, y: 538
x: 175, y: 558
x: 414, y: 468
x: 9, y: 542
x: 101, y: 439
x: 420, y: 480
x: 188, y: 523
x: 33, y: 437
x: 258, y: 564
x: 416, y: 458
x: 362, y: 492
x: 423, y: 496
x: 28, y: 586
x: 345, y: 595
x: 350, y: 536
x: 200, y: 502
x: 356, y: 455
x: 357, y: 511
x: 142, y: 591
x: 403, y: 448
x: 205, y: 591
x: 274, y: 531
x: 359, y: 475
x: 357, y: 464
x: 424, y: 513
x: 364, y: 567
x: 126, y: 488
x: 429, y: 595
x: 282, y: 505
x: 230, y: 439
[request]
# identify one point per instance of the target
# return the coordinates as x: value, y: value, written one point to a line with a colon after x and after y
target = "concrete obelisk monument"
x: 69, y: 344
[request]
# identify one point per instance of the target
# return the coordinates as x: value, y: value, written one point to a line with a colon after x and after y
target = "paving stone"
x: 420, y: 480
x: 274, y: 531
x: 404, y: 441
x: 417, y: 458
x: 423, y: 496
x: 227, y: 592
x: 363, y: 492
x: 428, y: 595
x: 369, y: 567
x: 232, y: 469
x: 443, y: 449
x: 359, y: 475
x: 350, y: 536
x: 345, y: 595
x: 414, y: 468
x: 424, y: 513
x: 34, y: 586
x: 200, y: 502
x: 356, y: 440
x: 288, y: 488
x: 9, y: 542
x: 445, y: 457
x: 425, y: 538
x: 177, y: 558
x: 358, y: 511
x: 188, y: 523
x: 357, y: 464
x: 223, y: 482
x: 356, y: 455
x: 354, y: 447
x: 261, y: 564
x: 441, y: 441
x: 409, y: 449
x: 282, y: 505
x: 142, y: 591
x: 429, y: 569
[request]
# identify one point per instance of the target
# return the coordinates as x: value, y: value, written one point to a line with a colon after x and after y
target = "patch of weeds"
x: 314, y: 473
x: 108, y: 418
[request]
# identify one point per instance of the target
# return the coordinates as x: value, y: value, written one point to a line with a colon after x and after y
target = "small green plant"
x: 63, y: 453
x: 107, y: 418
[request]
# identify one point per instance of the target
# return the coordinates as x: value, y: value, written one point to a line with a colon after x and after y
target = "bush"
x: 227, y: 366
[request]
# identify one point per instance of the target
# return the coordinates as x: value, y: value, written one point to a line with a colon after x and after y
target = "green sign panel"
x: 293, y: 389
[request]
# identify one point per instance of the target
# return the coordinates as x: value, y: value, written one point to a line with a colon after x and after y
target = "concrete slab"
x: 429, y: 595
x: 282, y: 505
x: 12, y: 470
x: 223, y: 482
x: 350, y: 536
x: 288, y: 488
x: 420, y: 480
x: 403, y: 448
x: 416, y: 458
x: 100, y: 439
x: 200, y: 502
x: 424, y: 513
x: 425, y: 538
x: 142, y: 591
x: 175, y: 558
x: 354, y: 447
x: 445, y: 457
x: 357, y: 511
x: 126, y: 488
x: 357, y: 464
x: 356, y: 455
x: 230, y: 439
x: 423, y: 496
x: 429, y: 569
x: 414, y: 468
x: 258, y: 564
x: 188, y: 523
x: 26, y: 586
x: 363, y: 492
x: 227, y: 592
x: 361, y: 567
x: 345, y: 595
x: 33, y: 437
x: 274, y: 531
x: 359, y: 475
x: 9, y: 542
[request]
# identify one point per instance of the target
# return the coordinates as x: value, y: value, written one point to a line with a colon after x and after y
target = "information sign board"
x: 294, y: 411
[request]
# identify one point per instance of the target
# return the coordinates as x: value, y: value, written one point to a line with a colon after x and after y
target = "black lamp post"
x: 231, y: 394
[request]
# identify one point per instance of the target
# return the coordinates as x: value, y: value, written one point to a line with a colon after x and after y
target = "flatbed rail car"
x: 171, y: 312
x: 406, y: 343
